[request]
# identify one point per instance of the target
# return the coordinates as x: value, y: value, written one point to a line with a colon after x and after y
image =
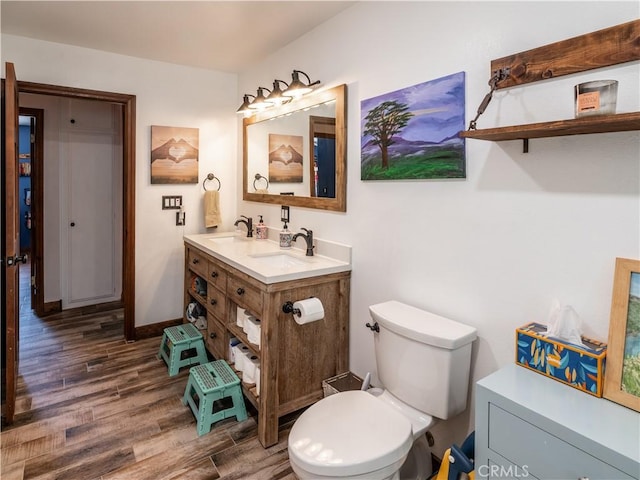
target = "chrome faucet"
x: 248, y: 222
x: 308, y: 238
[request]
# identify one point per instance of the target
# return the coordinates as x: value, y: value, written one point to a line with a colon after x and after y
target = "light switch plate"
x: 171, y: 202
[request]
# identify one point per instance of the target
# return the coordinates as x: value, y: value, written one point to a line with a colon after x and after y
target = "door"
x: 91, y: 260
x: 10, y: 243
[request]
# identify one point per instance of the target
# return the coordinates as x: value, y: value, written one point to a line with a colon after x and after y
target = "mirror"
x: 295, y: 154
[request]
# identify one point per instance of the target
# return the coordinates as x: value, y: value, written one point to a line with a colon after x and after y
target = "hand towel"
x: 212, y: 216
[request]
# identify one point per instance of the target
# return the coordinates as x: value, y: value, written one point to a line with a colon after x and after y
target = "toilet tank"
x: 423, y: 359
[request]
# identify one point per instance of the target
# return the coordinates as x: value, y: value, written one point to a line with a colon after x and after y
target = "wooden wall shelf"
x: 610, y: 46
x: 579, y: 126
x: 603, y: 48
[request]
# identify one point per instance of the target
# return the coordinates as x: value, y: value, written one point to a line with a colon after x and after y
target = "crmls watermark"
x: 500, y: 471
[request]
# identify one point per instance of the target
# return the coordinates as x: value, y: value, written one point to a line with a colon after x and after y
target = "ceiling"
x: 228, y: 36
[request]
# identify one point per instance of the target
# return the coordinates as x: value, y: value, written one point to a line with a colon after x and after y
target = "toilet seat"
x: 349, y: 434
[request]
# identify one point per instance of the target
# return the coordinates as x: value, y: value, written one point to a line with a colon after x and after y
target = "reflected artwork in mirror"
x: 316, y: 124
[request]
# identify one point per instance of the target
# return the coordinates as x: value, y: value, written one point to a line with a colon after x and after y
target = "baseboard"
x: 51, y: 307
x: 155, y: 329
x: 86, y: 310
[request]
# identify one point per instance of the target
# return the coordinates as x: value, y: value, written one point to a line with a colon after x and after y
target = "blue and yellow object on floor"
x: 458, y: 460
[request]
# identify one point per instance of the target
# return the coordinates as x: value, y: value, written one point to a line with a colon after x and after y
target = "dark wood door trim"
x: 128, y: 103
x: 10, y: 244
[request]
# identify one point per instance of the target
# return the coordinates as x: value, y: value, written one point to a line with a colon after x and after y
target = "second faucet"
x: 308, y: 238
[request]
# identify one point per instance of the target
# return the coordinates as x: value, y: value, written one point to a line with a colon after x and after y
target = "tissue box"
x: 581, y: 368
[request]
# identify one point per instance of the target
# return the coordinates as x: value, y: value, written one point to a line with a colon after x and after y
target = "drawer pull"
x: 212, y: 335
x: 240, y: 291
x: 195, y: 261
x: 213, y: 301
x: 214, y: 274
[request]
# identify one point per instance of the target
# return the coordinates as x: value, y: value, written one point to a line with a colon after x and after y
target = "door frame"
x: 128, y: 103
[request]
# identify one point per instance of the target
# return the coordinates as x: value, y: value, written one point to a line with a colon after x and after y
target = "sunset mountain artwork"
x: 174, y: 155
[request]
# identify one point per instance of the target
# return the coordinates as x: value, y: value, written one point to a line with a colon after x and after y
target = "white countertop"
x: 265, y: 261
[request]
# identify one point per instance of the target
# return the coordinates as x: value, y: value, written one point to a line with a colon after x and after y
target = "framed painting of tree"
x: 412, y: 133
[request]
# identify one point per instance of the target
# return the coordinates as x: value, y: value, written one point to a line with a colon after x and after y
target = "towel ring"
x: 211, y: 176
x: 260, y: 177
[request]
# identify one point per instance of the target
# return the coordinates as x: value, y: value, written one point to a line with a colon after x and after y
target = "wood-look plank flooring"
x: 91, y: 406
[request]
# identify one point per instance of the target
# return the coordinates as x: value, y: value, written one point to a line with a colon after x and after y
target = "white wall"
x: 493, y: 250
x: 169, y: 95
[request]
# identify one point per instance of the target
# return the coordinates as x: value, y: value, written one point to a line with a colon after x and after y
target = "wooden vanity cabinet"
x: 294, y: 359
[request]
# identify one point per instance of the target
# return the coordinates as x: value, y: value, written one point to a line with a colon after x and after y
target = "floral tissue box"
x: 581, y: 368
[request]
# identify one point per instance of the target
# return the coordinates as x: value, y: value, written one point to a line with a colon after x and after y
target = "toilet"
x: 423, y: 363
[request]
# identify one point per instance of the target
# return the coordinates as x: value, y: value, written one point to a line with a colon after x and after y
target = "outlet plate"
x: 284, y: 214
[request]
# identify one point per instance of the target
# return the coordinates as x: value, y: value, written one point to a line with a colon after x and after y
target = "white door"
x: 91, y: 257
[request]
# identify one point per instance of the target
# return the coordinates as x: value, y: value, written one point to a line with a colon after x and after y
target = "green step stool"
x: 177, y: 347
x: 208, y: 383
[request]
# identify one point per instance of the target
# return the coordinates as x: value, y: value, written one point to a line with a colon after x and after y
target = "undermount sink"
x: 229, y: 239
x: 279, y: 260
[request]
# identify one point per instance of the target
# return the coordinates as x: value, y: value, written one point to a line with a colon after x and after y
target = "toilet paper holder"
x: 287, y: 307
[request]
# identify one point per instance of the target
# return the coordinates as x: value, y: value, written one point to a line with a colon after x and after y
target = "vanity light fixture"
x: 276, y: 96
x: 260, y: 101
x: 244, y: 108
x: 297, y: 88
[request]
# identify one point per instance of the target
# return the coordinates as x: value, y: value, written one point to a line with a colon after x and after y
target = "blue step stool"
x: 208, y: 383
x: 177, y: 347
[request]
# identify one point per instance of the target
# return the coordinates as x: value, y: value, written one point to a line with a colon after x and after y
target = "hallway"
x: 91, y: 406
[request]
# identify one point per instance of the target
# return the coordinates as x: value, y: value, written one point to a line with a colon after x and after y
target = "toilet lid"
x: 349, y: 433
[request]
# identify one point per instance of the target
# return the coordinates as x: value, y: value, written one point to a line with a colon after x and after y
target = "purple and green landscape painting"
x: 413, y: 133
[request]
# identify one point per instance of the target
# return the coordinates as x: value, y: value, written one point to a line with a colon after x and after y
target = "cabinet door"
x: 216, y: 303
x: 217, y: 339
x: 91, y: 254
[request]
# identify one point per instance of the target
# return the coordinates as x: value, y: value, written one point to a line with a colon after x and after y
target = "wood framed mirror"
x: 295, y: 154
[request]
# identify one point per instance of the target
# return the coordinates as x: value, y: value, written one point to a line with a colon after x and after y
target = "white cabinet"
x: 529, y: 426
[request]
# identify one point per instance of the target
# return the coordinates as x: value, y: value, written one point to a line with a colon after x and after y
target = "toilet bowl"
x: 423, y: 362
x: 357, y: 435
x: 349, y: 435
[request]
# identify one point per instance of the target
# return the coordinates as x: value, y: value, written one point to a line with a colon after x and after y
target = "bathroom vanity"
x: 530, y: 426
x: 257, y: 276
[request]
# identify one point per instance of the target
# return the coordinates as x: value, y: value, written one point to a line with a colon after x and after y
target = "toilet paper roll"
x: 254, y: 330
x: 258, y: 379
x: 246, y: 327
x: 233, y: 341
x: 310, y: 309
x: 249, y: 327
x: 241, y: 316
x: 242, y: 355
x: 249, y: 370
x: 237, y: 357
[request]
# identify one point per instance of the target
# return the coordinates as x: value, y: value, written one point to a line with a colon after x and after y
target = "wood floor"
x: 91, y: 406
